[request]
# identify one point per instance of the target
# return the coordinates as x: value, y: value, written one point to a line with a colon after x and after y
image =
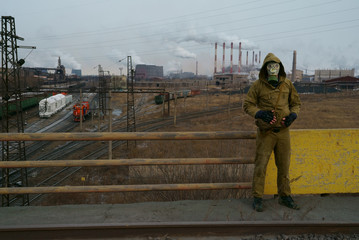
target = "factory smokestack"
x: 224, y: 52
x: 259, y: 57
x: 240, y: 57
x: 253, y: 58
x: 215, y: 58
x: 294, y: 65
x: 231, y: 57
x: 247, y: 59
x: 196, y: 68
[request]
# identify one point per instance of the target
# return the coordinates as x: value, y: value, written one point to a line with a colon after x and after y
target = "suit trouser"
x: 266, y: 142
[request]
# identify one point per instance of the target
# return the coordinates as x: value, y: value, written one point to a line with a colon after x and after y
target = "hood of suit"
x: 271, y: 58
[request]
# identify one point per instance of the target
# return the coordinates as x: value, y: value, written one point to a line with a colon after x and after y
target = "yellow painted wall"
x: 323, y: 161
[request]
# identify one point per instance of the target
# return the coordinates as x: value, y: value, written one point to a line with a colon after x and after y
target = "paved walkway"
x: 330, y: 208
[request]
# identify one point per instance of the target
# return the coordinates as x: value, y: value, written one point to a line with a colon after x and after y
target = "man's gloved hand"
x: 266, y: 116
x: 288, y: 120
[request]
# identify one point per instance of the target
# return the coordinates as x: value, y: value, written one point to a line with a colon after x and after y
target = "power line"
x: 251, y: 37
x: 232, y: 29
x: 144, y: 24
x: 195, y: 47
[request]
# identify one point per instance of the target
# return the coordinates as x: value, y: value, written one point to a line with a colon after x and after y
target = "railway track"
x: 67, y: 172
x: 186, y: 230
x: 69, y: 148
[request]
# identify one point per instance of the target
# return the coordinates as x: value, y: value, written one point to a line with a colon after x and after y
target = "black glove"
x: 288, y: 120
x: 266, y: 116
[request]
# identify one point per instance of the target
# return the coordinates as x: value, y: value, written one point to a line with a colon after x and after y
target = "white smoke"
x: 67, y: 60
x: 211, y: 37
x: 183, y: 53
x: 172, y: 66
x: 118, y: 60
x: 116, y: 55
x: 49, y: 59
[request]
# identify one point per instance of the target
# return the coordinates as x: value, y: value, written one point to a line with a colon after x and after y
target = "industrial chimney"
x: 196, y: 68
x: 259, y: 57
x: 215, y: 58
x: 253, y: 58
x: 294, y: 65
x: 240, y: 57
x: 224, y: 52
x: 231, y: 57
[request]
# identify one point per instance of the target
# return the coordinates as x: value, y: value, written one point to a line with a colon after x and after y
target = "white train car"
x: 68, y: 99
x: 51, y: 105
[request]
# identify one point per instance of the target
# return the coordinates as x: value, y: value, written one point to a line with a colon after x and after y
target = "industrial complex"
x: 165, y: 155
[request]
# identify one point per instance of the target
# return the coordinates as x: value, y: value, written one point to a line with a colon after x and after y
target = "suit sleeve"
x: 250, y: 102
x: 294, y: 100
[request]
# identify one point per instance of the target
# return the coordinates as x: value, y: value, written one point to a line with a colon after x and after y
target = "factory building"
x: 76, y: 72
x: 298, y: 75
x: 322, y: 75
x: 235, y: 75
x: 147, y: 72
x: 347, y: 82
x: 231, y: 80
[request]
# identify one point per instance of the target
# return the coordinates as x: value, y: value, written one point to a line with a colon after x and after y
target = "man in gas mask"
x: 274, y: 103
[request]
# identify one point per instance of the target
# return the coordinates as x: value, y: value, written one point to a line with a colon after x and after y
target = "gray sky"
x: 176, y: 34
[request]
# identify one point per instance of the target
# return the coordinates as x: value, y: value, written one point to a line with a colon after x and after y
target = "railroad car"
x: 195, y: 92
x: 68, y: 99
x: 26, y: 103
x: 51, y: 105
x: 170, y: 96
x: 77, y: 108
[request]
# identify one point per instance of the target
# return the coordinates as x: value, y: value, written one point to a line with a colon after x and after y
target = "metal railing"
x: 117, y: 136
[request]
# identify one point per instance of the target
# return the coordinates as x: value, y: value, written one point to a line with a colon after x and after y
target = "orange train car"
x: 77, y: 108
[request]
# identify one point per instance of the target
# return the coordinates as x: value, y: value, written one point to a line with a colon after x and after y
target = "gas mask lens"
x: 273, y: 69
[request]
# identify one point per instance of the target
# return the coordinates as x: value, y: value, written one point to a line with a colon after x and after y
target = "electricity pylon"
x: 11, y: 104
x: 131, y: 118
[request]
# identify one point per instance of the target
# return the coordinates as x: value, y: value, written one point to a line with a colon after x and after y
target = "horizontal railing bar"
x: 125, y: 188
x: 113, y: 136
x: 123, y: 162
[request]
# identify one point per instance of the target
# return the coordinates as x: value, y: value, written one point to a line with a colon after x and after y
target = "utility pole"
x: 102, y: 91
x: 11, y: 95
x: 131, y: 118
x: 110, y: 125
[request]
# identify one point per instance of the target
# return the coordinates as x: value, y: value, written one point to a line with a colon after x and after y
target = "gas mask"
x: 273, y: 70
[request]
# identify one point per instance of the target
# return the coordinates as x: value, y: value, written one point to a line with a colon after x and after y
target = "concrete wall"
x: 322, y: 75
x: 323, y: 161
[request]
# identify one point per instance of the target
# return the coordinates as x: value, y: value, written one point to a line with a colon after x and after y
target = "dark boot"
x: 288, y: 202
x: 258, y: 204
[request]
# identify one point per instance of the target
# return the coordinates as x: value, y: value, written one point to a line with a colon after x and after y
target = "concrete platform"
x: 332, y: 208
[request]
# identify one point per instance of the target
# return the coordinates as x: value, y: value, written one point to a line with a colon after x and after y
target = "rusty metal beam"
x: 106, y: 136
x: 124, y: 162
x: 126, y: 188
